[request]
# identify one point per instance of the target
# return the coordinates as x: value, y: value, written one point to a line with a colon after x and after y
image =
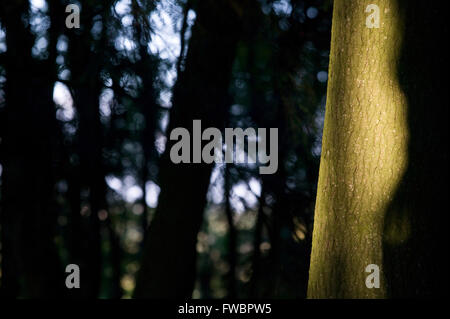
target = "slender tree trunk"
x: 89, y: 132
x: 86, y: 65
x: 382, y: 181
x: 232, y: 236
x: 201, y: 92
x: 86, y: 89
x: 147, y: 69
x: 257, y: 240
x: 183, y: 30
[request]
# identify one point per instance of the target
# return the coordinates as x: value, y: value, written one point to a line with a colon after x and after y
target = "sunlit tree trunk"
x: 382, y: 180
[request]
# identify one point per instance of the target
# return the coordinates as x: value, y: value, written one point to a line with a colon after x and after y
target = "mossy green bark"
x: 364, y: 152
x: 383, y: 179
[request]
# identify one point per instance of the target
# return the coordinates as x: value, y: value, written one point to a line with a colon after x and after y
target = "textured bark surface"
x: 366, y: 212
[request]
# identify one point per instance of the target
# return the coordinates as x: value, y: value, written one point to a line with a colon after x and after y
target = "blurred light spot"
x: 97, y: 29
x: 215, y: 191
x: 312, y: 12
x: 127, y: 20
x: 108, y: 82
x: 127, y: 283
x: 151, y: 198
x: 123, y: 7
x: 106, y: 99
x: 39, y: 24
x: 62, y: 44
x: 62, y: 186
x: 85, y: 211
x: 160, y: 143
x: 300, y: 230
x: 60, y: 59
x: 39, y: 49
x: 237, y: 109
x: 164, y: 121
x: 200, y: 247
x: 102, y: 215
x: 243, y: 275
x: 42, y: 43
x: 166, y: 97
x: 113, y: 182
x: 64, y: 74
x: 123, y: 43
x: 282, y: 7
x: 166, y: 39
x: 241, y: 190
x: 322, y: 76
x: 134, y: 235
x: 265, y: 246
x: 196, y: 294
x: 191, y: 17
x: 255, y: 186
x: 38, y: 5
x: 133, y: 193
x: 245, y: 248
x: 299, y: 234
x: 63, y: 98
x: 137, y: 209
x: 218, y: 227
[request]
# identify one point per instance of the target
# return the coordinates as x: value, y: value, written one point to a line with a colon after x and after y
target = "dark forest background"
x: 84, y: 173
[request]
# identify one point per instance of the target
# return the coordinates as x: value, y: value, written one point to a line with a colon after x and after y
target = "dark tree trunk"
x: 257, y: 241
x: 86, y: 63
x: 232, y: 235
x: 147, y: 70
x: 30, y: 262
x: 201, y: 92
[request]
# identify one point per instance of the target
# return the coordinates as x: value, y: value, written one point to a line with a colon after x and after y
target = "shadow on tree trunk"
x: 414, y: 237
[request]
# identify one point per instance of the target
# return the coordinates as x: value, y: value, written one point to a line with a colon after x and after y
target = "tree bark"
x: 382, y: 181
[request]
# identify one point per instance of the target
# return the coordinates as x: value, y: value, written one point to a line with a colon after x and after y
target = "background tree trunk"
x: 232, y: 235
x: 86, y: 85
x: 201, y: 92
x: 30, y: 262
x: 383, y: 135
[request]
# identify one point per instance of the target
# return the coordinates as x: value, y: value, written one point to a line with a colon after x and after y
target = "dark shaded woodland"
x: 85, y: 172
